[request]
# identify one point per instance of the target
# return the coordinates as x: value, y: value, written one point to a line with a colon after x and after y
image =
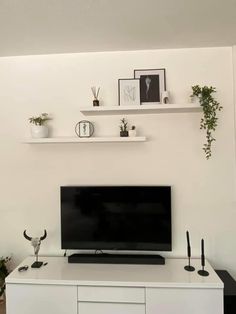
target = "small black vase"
x: 124, y: 133
x: 95, y: 102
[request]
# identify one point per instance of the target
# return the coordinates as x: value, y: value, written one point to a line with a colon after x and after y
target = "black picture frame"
x: 152, y: 85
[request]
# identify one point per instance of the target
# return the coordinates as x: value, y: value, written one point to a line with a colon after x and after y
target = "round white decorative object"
x: 39, y: 131
x: 132, y: 133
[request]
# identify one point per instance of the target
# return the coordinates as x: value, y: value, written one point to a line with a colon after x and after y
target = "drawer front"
x: 111, y: 294
x: 40, y: 299
x: 184, y: 301
x: 110, y: 308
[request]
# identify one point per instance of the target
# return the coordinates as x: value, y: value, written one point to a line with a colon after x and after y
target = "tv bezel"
x: 121, y: 246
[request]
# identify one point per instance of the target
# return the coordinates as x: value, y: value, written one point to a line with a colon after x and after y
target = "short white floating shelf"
x: 142, y: 109
x: 52, y: 140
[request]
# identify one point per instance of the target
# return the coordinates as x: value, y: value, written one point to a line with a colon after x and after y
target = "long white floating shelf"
x: 142, y: 109
x: 85, y: 140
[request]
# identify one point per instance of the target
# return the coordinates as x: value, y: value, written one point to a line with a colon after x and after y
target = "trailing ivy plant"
x: 210, y: 107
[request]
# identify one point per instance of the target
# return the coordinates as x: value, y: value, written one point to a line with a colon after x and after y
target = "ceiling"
x: 66, y: 26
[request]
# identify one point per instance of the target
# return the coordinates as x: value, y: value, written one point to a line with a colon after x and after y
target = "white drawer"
x: 110, y: 308
x: 111, y: 294
x: 184, y: 301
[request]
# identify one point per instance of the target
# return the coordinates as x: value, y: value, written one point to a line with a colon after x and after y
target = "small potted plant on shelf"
x: 95, y: 95
x: 124, y: 128
x: 210, y: 107
x: 38, y: 128
x: 3, y: 274
x: 132, y: 131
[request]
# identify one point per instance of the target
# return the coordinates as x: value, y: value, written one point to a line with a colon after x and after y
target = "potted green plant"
x: 38, y: 128
x: 3, y: 274
x: 124, y: 128
x: 210, y: 107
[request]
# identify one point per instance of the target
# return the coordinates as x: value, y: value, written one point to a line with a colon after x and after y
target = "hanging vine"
x: 209, y: 120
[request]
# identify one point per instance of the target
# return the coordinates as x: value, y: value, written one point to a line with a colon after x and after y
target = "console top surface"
x: 58, y: 271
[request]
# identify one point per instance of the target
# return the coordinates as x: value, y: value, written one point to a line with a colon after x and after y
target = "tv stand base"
x: 60, y: 288
x: 104, y: 258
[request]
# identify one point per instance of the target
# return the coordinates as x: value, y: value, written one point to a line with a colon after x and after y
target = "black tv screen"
x: 116, y: 218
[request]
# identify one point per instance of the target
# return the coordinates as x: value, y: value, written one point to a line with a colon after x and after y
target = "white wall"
x: 203, y: 191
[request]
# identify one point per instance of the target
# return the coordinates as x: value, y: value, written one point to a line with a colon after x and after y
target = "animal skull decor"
x: 35, y: 242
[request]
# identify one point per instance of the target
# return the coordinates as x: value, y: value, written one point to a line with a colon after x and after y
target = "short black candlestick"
x: 188, y: 267
x: 203, y: 272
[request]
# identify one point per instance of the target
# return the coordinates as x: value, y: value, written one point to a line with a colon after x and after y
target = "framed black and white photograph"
x: 152, y: 85
x: 84, y: 128
x: 129, y: 92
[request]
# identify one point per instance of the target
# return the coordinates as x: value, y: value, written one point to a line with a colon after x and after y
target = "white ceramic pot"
x: 165, y: 97
x: 39, y: 131
x: 132, y: 133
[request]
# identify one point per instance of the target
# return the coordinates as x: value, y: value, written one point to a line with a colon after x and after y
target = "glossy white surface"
x: 172, y: 274
x: 85, y: 140
x: 142, y: 109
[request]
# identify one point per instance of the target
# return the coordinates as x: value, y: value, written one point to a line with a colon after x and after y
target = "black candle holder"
x: 203, y: 272
x: 188, y: 267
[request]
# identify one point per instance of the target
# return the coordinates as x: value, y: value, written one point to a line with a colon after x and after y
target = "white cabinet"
x: 62, y: 288
x: 184, y: 301
x: 39, y: 299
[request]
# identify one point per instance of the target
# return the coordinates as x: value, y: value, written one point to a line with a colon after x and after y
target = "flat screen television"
x: 116, y: 218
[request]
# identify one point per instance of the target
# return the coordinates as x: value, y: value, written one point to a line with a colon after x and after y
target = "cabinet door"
x: 39, y: 299
x: 110, y: 308
x: 184, y: 301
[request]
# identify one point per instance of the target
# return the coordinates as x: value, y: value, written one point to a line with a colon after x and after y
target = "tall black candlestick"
x: 188, y: 246
x: 187, y: 234
x: 188, y: 267
x: 203, y: 272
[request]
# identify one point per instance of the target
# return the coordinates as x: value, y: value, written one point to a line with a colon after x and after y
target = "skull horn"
x: 26, y: 236
x: 44, y: 236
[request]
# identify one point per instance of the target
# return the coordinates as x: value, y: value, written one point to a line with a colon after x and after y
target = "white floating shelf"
x: 52, y: 140
x: 142, y: 109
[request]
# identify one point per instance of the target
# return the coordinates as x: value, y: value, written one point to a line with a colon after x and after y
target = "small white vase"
x: 132, y: 133
x: 39, y: 131
x: 165, y: 97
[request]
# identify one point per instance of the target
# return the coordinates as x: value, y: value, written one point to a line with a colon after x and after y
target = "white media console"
x: 62, y: 288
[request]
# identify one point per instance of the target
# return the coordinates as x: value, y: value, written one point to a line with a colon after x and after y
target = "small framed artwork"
x: 152, y: 85
x: 129, y: 92
x: 84, y: 128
